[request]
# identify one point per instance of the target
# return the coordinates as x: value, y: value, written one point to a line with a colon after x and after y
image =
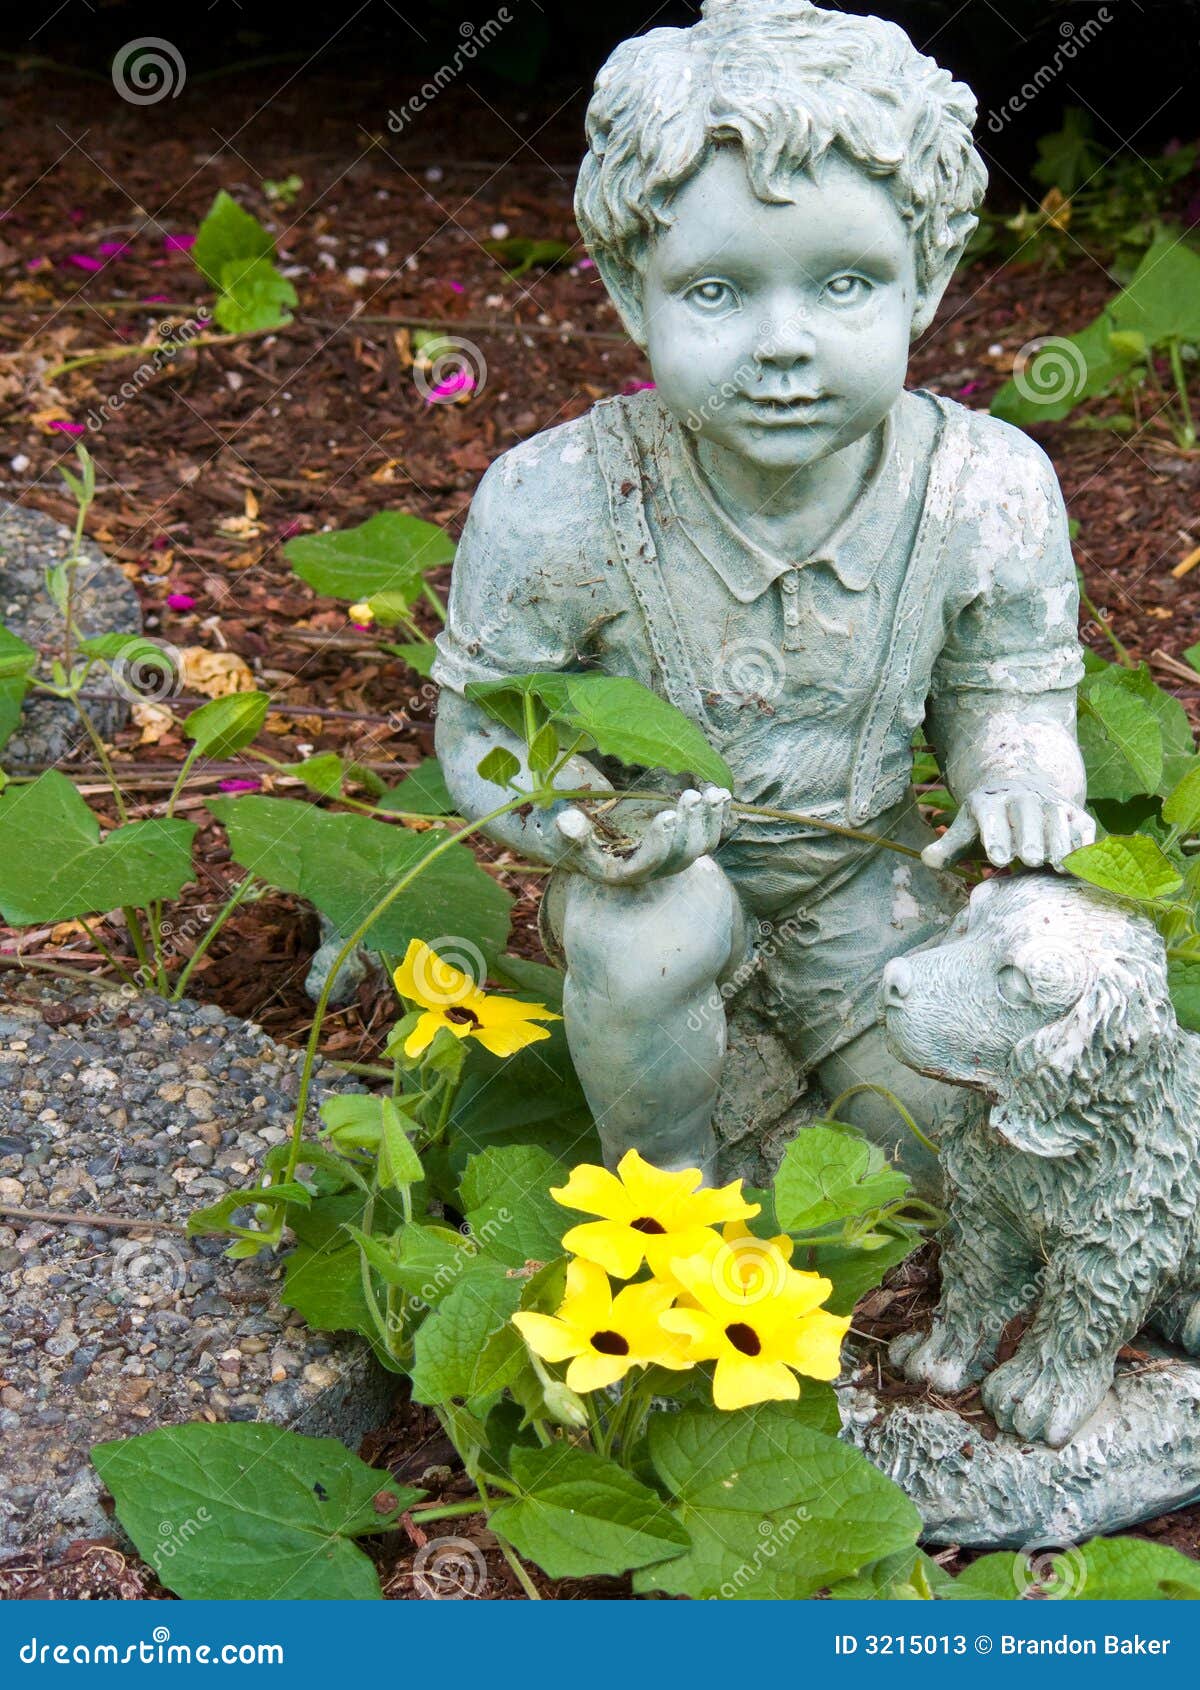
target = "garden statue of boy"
x: 804, y: 557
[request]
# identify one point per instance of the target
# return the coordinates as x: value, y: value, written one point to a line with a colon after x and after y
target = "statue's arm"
x: 514, y: 609
x: 465, y: 733
x: 1001, y: 716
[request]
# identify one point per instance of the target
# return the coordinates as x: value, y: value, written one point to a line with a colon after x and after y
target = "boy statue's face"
x: 780, y: 331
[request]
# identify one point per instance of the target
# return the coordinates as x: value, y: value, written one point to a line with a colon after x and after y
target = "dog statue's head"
x: 1047, y: 996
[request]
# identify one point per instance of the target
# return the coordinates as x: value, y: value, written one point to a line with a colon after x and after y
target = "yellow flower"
x: 451, y: 999
x: 760, y: 1335
x: 646, y: 1213
x: 604, y: 1335
x: 362, y: 614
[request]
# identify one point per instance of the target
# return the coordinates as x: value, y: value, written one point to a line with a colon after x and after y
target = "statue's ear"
x: 624, y: 284
x: 929, y: 297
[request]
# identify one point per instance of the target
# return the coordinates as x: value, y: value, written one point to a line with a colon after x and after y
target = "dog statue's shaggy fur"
x: 1074, y: 1189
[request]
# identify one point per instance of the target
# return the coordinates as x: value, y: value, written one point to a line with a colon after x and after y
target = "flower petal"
x: 548, y: 1337
x: 817, y: 1350
x: 588, y: 1301
x: 594, y: 1191
x: 618, y: 1249
x: 740, y: 1381
x: 507, y: 1041
x: 592, y: 1372
x: 426, y: 1029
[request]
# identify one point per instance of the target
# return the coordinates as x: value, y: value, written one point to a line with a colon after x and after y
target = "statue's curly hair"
x: 786, y: 82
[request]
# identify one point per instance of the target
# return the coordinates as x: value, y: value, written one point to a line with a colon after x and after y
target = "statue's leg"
x: 645, y: 1020
x: 867, y: 1061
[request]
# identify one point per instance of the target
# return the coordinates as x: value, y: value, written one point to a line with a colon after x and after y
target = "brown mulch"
x: 223, y: 455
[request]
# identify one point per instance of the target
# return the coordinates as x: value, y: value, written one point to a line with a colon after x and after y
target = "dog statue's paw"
x: 938, y: 1358
x: 1041, y: 1398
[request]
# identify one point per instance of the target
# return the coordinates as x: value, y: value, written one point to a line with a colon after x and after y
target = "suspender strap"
x: 621, y: 466
x: 917, y: 602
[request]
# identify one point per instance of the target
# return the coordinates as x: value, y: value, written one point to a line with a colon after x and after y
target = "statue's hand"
x: 667, y: 839
x: 1013, y: 821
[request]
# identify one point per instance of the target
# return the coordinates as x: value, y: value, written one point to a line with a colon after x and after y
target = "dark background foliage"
x: 1136, y: 74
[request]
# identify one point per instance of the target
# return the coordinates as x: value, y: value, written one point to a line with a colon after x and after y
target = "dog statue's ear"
x: 1058, y: 1069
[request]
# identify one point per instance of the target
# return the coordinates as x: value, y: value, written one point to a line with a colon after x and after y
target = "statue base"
x: 1136, y: 1458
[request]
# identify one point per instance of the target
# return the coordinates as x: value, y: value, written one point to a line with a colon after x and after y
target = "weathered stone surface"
x: 30, y: 541
x: 1137, y: 1457
x: 139, y: 1108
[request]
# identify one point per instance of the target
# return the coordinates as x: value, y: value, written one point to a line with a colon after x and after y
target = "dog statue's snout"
x: 897, y: 983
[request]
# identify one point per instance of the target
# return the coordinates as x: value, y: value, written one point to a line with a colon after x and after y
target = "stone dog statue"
x: 1074, y: 1185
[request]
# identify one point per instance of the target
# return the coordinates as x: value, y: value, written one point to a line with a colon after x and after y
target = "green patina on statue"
x: 802, y: 555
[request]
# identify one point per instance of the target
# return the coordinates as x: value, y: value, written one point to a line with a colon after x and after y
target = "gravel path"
x: 132, y: 1107
x: 30, y: 541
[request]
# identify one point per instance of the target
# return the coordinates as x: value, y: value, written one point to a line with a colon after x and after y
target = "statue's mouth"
x: 796, y: 407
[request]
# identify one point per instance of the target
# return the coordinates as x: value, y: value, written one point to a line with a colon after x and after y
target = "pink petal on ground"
x: 252, y: 785
x: 635, y: 386
x: 60, y: 425
x: 181, y: 601
x: 160, y: 542
x: 456, y: 287
x: 178, y: 243
x: 157, y: 299
x: 85, y: 261
x: 111, y: 249
x: 289, y: 529
x: 586, y: 264
x: 966, y: 391
x: 462, y: 381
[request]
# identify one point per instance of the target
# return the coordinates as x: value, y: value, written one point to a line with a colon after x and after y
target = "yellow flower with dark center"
x: 451, y: 999
x: 604, y: 1335
x: 647, y: 1214
x: 760, y: 1334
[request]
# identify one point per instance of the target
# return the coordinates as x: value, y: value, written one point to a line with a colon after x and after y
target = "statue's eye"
x: 712, y: 296
x: 848, y: 290
x: 1013, y: 984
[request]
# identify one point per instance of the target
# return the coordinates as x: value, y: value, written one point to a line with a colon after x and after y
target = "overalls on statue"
x: 802, y: 980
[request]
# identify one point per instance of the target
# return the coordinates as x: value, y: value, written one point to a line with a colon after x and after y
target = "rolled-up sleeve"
x: 511, y: 611
x: 1018, y: 632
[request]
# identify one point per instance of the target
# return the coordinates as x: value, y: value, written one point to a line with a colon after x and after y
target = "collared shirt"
x: 787, y: 652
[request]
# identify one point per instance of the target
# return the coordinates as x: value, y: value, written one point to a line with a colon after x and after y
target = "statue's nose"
x: 897, y: 983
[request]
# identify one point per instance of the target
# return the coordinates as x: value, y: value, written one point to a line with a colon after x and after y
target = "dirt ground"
x: 231, y: 450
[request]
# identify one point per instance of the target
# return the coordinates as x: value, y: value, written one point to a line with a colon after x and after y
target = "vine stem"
x: 890, y: 1097
x: 364, y: 926
x: 240, y: 891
